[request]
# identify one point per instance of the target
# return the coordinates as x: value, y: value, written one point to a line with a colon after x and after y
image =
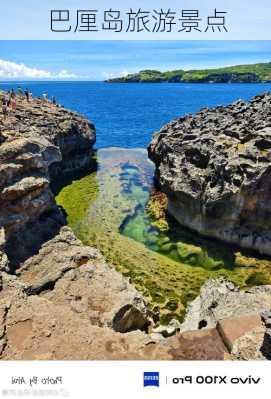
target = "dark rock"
x: 215, y: 168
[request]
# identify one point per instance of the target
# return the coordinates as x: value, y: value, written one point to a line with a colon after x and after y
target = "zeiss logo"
x: 151, y: 378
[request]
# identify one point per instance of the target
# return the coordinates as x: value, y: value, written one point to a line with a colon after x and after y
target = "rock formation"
x: 41, y: 144
x: 66, y: 302
x: 242, y: 318
x: 215, y: 169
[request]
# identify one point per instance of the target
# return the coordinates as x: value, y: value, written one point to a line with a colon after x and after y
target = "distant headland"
x: 251, y: 73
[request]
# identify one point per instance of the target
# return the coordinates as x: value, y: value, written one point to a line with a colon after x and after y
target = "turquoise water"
x: 126, y: 115
x: 178, y: 243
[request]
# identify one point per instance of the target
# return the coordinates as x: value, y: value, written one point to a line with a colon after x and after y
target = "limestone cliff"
x: 215, y: 168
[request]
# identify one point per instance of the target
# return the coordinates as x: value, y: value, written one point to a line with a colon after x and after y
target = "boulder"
x: 220, y: 299
x: 241, y: 317
x: 66, y: 271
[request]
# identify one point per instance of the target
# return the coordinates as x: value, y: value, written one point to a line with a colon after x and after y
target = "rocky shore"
x: 59, y: 299
x: 215, y: 168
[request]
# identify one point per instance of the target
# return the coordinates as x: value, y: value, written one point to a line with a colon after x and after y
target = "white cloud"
x: 12, y: 70
x: 124, y: 73
x: 64, y: 74
x: 116, y: 74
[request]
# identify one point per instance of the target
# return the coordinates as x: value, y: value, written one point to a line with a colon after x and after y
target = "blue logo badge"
x: 151, y: 378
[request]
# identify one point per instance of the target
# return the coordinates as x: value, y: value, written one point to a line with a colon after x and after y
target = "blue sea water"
x: 126, y: 115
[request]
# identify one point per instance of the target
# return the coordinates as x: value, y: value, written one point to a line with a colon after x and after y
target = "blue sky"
x: 97, y: 60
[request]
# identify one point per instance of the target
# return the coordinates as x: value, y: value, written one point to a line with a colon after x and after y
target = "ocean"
x: 126, y: 115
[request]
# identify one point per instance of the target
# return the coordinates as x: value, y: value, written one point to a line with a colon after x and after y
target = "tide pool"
x: 113, y: 209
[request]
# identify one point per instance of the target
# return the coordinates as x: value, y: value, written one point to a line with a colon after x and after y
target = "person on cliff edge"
x: 13, y: 103
x: 4, y: 107
x: 27, y: 95
x: 20, y: 91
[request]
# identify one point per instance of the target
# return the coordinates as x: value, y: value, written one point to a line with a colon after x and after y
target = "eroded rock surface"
x: 63, y: 303
x: 215, y: 169
x: 220, y: 299
x: 40, y: 145
x: 242, y: 318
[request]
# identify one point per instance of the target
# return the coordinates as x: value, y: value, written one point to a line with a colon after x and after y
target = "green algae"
x: 109, y: 210
x: 76, y: 197
x: 257, y: 278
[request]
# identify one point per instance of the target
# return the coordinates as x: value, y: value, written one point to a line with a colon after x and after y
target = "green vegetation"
x: 235, y: 74
x: 84, y: 191
x: 167, y: 267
